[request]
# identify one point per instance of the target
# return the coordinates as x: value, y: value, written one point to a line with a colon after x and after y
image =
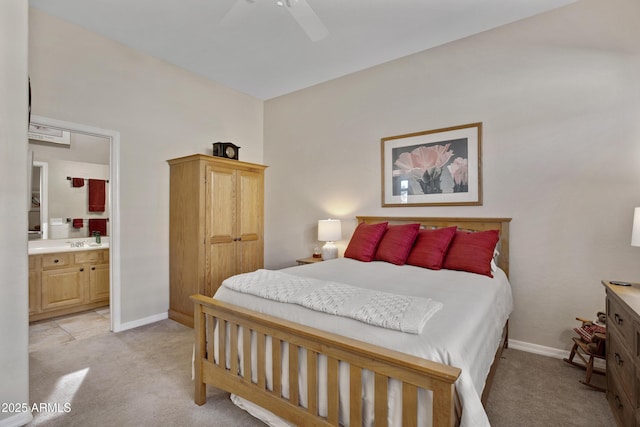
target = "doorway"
x: 113, y: 138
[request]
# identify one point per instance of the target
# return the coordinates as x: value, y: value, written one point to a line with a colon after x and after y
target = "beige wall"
x: 559, y: 96
x: 14, y: 318
x: 161, y: 112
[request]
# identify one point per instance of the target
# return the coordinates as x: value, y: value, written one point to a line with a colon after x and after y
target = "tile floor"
x: 77, y: 326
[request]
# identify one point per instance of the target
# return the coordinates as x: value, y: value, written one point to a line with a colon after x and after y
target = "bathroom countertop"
x: 48, y: 246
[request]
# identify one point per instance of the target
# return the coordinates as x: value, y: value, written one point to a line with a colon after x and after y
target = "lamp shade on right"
x: 635, y: 233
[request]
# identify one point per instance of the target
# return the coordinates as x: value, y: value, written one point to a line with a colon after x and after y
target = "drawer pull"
x: 618, y: 319
x: 55, y: 261
x: 93, y: 268
x: 619, y: 402
x: 82, y: 269
x: 619, y: 360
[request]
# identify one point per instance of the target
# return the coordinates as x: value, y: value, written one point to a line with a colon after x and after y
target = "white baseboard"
x: 142, y: 322
x: 19, y: 419
x: 548, y: 351
x: 538, y: 349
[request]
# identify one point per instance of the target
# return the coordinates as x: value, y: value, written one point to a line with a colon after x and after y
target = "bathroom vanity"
x: 67, y: 276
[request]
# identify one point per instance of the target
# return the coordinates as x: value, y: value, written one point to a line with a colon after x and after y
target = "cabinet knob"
x: 93, y: 268
x: 55, y: 261
x: 82, y: 269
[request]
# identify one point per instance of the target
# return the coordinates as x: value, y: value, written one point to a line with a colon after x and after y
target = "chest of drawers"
x: 623, y: 352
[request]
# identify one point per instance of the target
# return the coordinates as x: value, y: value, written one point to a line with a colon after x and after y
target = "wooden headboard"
x: 472, y: 224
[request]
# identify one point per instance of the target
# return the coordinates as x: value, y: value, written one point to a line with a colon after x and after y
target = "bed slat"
x: 262, y: 363
x: 293, y: 374
x: 380, y: 397
x: 333, y: 392
x: 409, y: 405
x: 312, y: 382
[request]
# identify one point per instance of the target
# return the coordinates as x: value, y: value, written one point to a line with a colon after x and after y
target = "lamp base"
x: 329, y: 251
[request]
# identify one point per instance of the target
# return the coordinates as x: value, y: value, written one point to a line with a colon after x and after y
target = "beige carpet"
x: 142, y: 377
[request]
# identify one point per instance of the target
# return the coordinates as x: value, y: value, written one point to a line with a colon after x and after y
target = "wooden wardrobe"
x: 216, y: 221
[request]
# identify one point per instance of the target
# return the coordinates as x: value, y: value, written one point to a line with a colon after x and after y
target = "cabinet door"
x: 250, y: 207
x: 99, y: 283
x: 62, y: 287
x: 220, y: 226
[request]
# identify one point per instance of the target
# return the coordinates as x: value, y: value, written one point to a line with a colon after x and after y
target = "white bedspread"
x: 392, y: 311
x: 465, y: 333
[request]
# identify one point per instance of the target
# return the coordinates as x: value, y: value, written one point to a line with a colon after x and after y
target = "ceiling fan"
x: 300, y: 11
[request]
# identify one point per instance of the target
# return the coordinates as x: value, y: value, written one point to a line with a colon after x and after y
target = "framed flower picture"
x: 440, y: 167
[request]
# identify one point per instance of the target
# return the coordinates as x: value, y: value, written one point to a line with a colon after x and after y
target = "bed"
x: 347, y: 372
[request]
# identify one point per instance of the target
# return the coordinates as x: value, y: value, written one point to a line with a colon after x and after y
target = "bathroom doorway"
x: 112, y: 140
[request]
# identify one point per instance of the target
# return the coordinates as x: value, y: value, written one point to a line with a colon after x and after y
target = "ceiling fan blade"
x: 239, y: 8
x: 308, y: 20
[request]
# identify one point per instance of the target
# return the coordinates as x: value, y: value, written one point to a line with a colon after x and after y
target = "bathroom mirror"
x: 38, y: 204
x: 55, y: 203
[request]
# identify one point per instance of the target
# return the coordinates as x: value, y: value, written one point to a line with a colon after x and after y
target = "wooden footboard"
x: 226, y: 373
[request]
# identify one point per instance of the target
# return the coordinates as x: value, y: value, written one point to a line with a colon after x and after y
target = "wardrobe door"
x: 220, y: 227
x: 250, y: 208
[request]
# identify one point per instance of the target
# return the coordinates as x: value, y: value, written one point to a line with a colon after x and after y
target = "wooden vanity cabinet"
x: 67, y: 282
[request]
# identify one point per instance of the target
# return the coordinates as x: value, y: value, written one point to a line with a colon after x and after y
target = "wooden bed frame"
x: 414, y: 373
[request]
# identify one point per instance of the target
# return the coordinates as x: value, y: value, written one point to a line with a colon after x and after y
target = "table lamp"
x: 635, y: 241
x: 635, y: 232
x: 329, y: 230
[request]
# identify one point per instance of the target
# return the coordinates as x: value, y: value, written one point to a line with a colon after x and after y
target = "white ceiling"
x: 258, y: 48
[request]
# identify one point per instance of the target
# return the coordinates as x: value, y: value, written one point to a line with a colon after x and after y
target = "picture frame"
x: 440, y: 167
x: 48, y: 134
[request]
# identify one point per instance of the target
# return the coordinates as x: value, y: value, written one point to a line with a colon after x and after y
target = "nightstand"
x: 310, y: 260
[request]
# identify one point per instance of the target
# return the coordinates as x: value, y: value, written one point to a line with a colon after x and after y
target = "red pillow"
x: 396, y: 243
x: 431, y: 247
x: 364, y: 242
x: 472, y: 252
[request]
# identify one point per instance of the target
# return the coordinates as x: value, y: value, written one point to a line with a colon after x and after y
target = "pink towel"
x: 96, y: 195
x: 77, y: 182
x: 99, y: 225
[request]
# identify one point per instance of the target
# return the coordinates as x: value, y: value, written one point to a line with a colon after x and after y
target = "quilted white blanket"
x: 399, y: 312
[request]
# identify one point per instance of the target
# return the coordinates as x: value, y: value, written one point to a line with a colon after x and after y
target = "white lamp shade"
x: 635, y: 233
x: 329, y: 230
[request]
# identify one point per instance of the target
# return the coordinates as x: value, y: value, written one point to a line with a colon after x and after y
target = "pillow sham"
x: 430, y: 247
x: 472, y: 251
x: 396, y: 243
x: 365, y: 240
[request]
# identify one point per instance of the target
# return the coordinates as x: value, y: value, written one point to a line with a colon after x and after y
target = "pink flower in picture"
x: 424, y: 159
x: 424, y: 165
x: 459, y: 170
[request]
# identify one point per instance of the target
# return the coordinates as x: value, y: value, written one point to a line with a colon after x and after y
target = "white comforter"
x: 464, y: 333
